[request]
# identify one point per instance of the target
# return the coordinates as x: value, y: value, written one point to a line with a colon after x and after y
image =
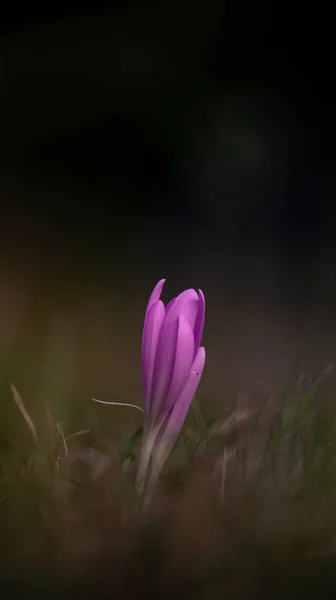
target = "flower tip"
x: 201, y: 352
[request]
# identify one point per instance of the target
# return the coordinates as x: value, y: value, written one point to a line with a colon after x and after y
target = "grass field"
x: 244, y: 507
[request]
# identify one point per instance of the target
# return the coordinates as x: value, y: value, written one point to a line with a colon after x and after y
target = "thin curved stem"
x: 119, y: 404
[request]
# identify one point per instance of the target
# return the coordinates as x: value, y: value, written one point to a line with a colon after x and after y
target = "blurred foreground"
x: 245, y: 506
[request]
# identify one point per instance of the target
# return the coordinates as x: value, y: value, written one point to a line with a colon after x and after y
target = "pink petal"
x: 164, y: 367
x: 169, y: 305
x: 175, y: 420
x: 199, y: 324
x: 187, y: 304
x: 182, y: 405
x: 150, y: 337
x: 184, y: 356
x: 155, y: 295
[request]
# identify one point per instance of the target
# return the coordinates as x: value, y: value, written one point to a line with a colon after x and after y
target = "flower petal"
x: 176, y: 418
x: 164, y: 367
x: 184, y: 356
x: 199, y: 324
x: 155, y: 295
x: 187, y: 304
x: 182, y: 405
x: 169, y: 305
x: 150, y: 337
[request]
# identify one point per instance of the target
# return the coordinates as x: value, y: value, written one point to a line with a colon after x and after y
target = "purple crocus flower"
x: 172, y: 365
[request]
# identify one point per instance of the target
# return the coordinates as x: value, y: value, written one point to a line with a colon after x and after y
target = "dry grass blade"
x: 119, y: 404
x: 228, y: 455
x: 77, y: 434
x: 64, y: 454
x: 19, y: 402
x: 238, y: 417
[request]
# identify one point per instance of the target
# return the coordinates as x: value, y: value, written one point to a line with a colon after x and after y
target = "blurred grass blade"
x: 77, y: 434
x: 64, y: 454
x: 235, y: 420
x: 19, y: 402
x: 198, y: 418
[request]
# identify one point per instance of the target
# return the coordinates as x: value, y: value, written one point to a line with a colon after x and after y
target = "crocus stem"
x: 145, y: 455
x: 151, y: 482
x: 160, y: 456
x: 148, y: 442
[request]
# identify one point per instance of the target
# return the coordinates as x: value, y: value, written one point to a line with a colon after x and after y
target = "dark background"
x: 192, y: 141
